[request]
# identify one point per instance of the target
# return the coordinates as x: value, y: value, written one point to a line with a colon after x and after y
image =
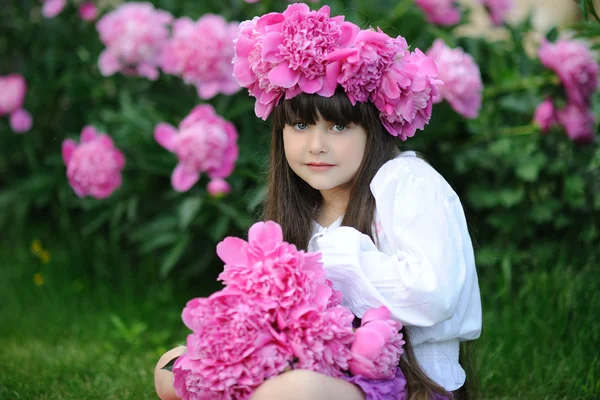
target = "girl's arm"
x: 163, y: 379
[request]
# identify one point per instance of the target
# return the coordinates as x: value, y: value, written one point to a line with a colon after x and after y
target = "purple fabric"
x: 386, y: 389
x: 381, y: 389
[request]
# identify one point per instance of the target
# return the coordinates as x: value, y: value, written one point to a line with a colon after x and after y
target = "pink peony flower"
x: 440, y: 12
x: 51, y: 8
x: 88, y: 11
x: 363, y: 65
x: 20, y: 121
x: 321, y: 339
x: 201, y: 52
x: 284, y: 54
x: 578, y: 122
x: 218, y: 187
x: 94, y: 166
x: 498, y: 9
x: 377, y: 346
x: 462, y: 80
x: 134, y: 35
x: 272, y: 270
x: 406, y: 93
x: 544, y: 115
x: 205, y: 142
x: 574, y: 64
x: 12, y: 93
x: 232, y: 349
x: 336, y: 295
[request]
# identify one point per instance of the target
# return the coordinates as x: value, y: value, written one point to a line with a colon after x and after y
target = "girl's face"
x: 325, y: 155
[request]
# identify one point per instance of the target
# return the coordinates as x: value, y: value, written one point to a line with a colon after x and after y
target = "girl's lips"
x: 319, y: 166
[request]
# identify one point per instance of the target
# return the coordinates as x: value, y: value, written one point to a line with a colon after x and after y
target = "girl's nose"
x: 317, y: 142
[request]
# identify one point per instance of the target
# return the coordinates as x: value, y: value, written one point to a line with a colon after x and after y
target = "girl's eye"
x: 339, y: 127
x: 300, y: 126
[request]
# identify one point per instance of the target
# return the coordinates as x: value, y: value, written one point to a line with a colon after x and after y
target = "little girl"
x: 390, y: 229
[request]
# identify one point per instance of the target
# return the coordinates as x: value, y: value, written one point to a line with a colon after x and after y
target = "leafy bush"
x: 532, y: 199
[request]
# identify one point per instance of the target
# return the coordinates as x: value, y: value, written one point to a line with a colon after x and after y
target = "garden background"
x: 92, y: 289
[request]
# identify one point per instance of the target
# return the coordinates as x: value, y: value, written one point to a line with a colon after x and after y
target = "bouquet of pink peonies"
x: 277, y: 312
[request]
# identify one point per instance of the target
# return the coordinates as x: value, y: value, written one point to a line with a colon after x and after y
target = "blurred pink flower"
x: 20, y: 121
x: 320, y: 339
x: 377, y: 346
x: 440, y: 12
x: 218, y: 187
x: 272, y: 270
x: 204, y: 142
x: 201, y: 52
x: 88, y: 11
x: 462, y: 80
x: 284, y: 54
x: 544, y: 115
x: 363, y: 64
x: 578, y: 123
x: 575, y: 65
x: 406, y: 93
x: 232, y: 348
x: 134, y: 35
x: 498, y: 9
x: 12, y: 93
x: 94, y: 166
x: 51, y: 8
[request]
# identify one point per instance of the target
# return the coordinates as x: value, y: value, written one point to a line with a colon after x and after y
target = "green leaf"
x: 511, y: 196
x: 188, y: 210
x: 159, y: 241
x: 552, y: 34
x: 174, y: 256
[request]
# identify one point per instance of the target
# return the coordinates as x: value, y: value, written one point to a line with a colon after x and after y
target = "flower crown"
x: 281, y: 55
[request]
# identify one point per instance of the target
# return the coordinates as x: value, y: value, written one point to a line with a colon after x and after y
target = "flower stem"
x: 530, y: 83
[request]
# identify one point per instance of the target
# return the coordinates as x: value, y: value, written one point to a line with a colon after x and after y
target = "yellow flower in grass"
x: 36, y: 247
x: 45, y: 256
x: 38, y: 279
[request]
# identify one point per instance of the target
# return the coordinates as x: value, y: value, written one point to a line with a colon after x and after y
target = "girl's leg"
x: 163, y: 380
x: 304, y: 385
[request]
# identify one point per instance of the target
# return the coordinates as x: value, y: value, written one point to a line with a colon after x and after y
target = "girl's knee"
x: 303, y: 384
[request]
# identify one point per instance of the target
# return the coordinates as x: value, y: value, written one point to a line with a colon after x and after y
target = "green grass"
x: 77, y: 337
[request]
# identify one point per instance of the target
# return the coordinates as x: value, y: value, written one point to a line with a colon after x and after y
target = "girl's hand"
x: 163, y: 379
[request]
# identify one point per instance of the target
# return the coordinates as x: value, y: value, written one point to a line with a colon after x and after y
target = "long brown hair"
x: 292, y: 203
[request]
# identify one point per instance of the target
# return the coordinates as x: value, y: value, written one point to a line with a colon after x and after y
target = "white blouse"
x: 422, y: 267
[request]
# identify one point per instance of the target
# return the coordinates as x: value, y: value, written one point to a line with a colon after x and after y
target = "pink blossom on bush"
x: 363, y: 64
x: 204, y: 142
x: 201, y: 52
x: 12, y: 93
x: 232, y: 349
x: 279, y: 274
x: 462, y: 79
x: 575, y: 65
x: 578, y: 123
x: 94, y: 166
x: 406, y: 93
x: 218, y: 187
x: 321, y: 339
x: 134, y: 35
x: 498, y: 9
x: 20, y: 121
x: 544, y: 115
x: 377, y: 346
x: 88, y: 11
x: 440, y: 12
x: 51, y: 8
x: 284, y: 53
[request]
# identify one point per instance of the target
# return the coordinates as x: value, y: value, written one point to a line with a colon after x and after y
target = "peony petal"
x: 376, y: 313
x: 349, y: 33
x: 367, y: 343
x: 231, y: 251
x: 332, y: 72
x: 310, y: 86
x: 165, y: 135
x: 284, y: 76
x: 264, y: 232
x: 271, y: 43
x: 88, y: 134
x: 68, y: 148
x: 108, y: 63
x: 184, y: 177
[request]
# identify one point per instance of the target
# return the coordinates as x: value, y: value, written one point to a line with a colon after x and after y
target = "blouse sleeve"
x: 424, y: 223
